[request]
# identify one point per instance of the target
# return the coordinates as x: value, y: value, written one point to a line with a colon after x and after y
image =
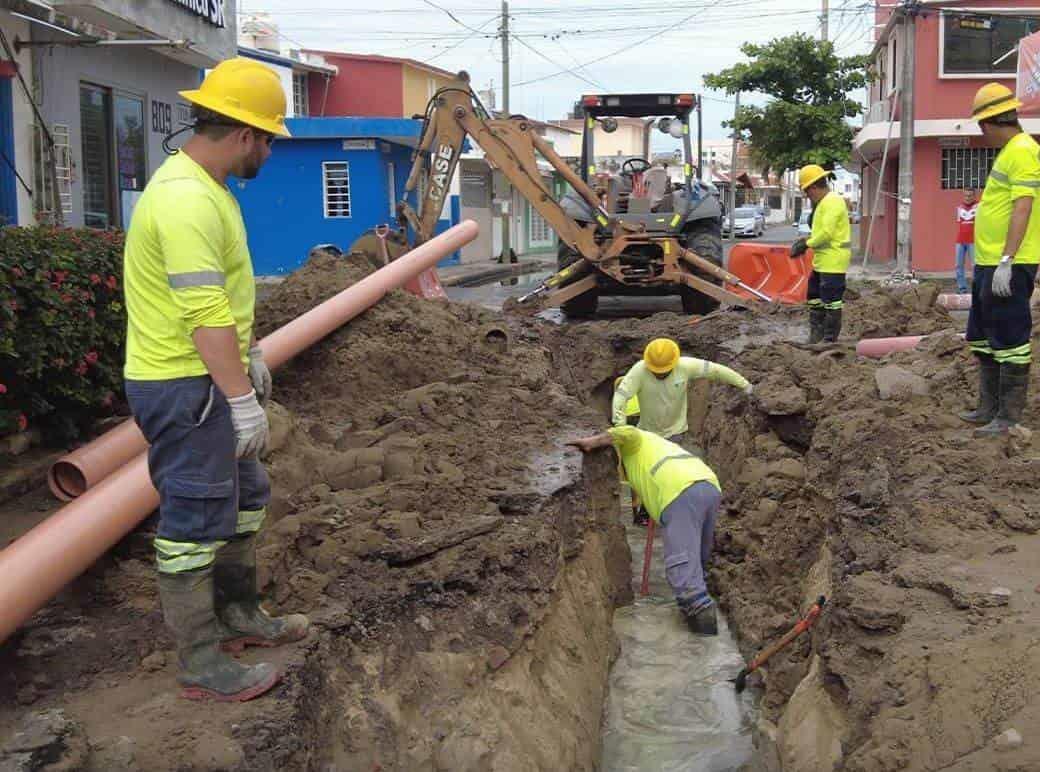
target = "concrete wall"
x: 370, y: 88
x: 418, y: 86
x: 23, y: 119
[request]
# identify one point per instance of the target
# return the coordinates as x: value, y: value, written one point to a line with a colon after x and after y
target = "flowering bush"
x: 62, y: 328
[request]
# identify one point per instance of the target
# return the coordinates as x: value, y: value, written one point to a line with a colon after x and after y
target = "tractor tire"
x: 706, y: 240
x: 585, y: 304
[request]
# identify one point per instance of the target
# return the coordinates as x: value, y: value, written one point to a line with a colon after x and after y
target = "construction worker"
x: 197, y: 383
x: 831, y: 242
x: 1007, y: 250
x: 631, y: 407
x: 682, y: 494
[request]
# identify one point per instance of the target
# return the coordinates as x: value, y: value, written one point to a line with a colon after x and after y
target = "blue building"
x: 333, y: 180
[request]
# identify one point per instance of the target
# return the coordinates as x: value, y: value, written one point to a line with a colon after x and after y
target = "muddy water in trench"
x: 671, y: 706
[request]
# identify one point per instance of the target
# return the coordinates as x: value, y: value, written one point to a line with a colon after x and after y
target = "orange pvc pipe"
x: 39, y: 563
x: 74, y: 474
x: 878, y: 347
x: 954, y: 302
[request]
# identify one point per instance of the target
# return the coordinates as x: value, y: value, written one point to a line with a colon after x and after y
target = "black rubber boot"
x: 816, y: 325
x: 831, y: 325
x: 703, y: 621
x: 989, y: 385
x: 1014, y: 387
x: 238, y: 603
x: 641, y: 517
x: 206, y: 672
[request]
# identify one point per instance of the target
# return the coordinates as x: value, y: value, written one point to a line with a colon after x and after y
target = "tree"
x: 806, y: 121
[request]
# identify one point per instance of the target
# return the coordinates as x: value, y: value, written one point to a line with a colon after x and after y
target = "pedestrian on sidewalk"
x: 965, y: 238
x: 1007, y: 250
x: 197, y: 383
x: 682, y: 494
x: 831, y: 243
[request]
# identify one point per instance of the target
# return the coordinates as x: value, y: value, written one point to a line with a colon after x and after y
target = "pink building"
x: 956, y: 52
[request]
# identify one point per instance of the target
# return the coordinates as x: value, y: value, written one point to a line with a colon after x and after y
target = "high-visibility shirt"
x: 658, y: 470
x: 632, y: 407
x: 186, y: 265
x: 1015, y: 174
x: 662, y: 401
x: 831, y: 239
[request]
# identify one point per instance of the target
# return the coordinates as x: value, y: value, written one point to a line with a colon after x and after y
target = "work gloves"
x: 1002, y: 278
x: 250, y: 423
x: 259, y: 375
x: 799, y: 248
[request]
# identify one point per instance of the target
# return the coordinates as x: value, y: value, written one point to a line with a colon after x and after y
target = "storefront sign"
x: 1028, y: 90
x: 211, y: 11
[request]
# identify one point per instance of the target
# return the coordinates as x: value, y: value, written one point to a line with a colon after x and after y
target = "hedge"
x: 62, y: 329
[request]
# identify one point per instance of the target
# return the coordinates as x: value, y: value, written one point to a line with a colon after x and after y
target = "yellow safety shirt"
x: 186, y: 265
x: 1015, y: 174
x: 831, y: 239
x: 658, y: 470
x: 662, y: 401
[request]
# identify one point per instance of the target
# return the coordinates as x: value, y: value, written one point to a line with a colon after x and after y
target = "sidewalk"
x: 491, y: 270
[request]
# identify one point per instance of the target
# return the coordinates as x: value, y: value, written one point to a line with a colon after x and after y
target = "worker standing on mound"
x: 1007, y: 250
x: 196, y: 383
x: 682, y: 494
x: 831, y: 243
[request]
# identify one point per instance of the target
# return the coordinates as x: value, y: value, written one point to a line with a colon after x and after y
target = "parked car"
x: 803, y: 223
x: 748, y: 220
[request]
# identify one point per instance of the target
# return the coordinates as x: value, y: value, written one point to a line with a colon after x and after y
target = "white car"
x: 749, y: 222
x: 803, y: 223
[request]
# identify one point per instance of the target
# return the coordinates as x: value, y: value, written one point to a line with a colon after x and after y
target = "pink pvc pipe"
x: 74, y: 474
x: 38, y: 564
x: 954, y: 302
x: 878, y: 347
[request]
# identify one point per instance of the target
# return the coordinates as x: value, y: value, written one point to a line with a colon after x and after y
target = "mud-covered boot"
x: 703, y: 620
x: 1014, y: 386
x: 206, y: 672
x: 831, y: 324
x: 815, y: 325
x: 641, y: 517
x: 238, y: 602
x: 989, y: 385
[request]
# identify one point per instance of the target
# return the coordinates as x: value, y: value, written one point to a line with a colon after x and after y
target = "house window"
x: 336, y: 176
x: 539, y: 232
x: 299, y: 91
x: 983, y: 44
x: 964, y: 168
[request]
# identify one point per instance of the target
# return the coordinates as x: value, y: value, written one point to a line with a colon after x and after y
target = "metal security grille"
x: 336, y: 176
x: 964, y: 167
x: 539, y: 230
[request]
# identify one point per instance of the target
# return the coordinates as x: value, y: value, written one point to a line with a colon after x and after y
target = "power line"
x: 538, y: 53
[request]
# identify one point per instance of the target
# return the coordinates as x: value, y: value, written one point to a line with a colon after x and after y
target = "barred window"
x: 300, y: 106
x: 336, y: 188
x: 964, y: 168
x: 539, y: 230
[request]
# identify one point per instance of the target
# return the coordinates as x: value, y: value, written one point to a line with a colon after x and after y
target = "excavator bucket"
x: 383, y: 245
x: 770, y: 269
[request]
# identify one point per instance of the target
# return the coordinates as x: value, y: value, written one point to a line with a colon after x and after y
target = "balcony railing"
x: 878, y: 112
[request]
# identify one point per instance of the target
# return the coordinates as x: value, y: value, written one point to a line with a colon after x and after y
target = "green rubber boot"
x: 989, y: 385
x: 206, y: 672
x: 238, y: 602
x: 1014, y: 387
x: 816, y: 325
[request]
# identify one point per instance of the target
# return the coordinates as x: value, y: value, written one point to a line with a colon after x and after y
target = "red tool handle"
x: 803, y: 624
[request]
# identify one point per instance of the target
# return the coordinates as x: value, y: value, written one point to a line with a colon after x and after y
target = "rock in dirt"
x: 1008, y: 740
x: 893, y: 382
x: 47, y: 741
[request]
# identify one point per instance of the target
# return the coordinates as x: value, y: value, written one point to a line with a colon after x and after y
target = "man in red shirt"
x: 965, y: 238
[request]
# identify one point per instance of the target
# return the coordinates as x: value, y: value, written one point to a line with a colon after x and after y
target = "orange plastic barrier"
x: 770, y: 269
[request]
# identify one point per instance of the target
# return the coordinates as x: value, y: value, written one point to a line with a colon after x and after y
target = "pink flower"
x: 81, y: 368
x: 90, y: 312
x: 66, y: 298
x: 18, y: 272
x: 3, y: 389
x: 95, y: 279
x: 23, y: 422
x: 91, y: 357
x: 111, y: 282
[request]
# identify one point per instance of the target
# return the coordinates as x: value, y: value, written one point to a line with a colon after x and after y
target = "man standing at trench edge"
x: 196, y: 383
x: 1007, y: 250
x: 681, y: 493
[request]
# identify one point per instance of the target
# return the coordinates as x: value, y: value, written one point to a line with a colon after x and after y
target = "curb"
x: 495, y: 272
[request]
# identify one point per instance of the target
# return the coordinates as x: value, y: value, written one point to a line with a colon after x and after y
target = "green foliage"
x: 62, y: 328
x: 806, y: 121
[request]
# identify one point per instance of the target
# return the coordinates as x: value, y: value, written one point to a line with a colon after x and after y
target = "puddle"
x: 671, y: 707
x: 779, y: 331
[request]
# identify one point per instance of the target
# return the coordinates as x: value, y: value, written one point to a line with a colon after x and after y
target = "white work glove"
x: 250, y: 422
x: 259, y: 375
x: 1002, y: 278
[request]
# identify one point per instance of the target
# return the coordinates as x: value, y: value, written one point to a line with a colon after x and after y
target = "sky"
x: 561, y: 49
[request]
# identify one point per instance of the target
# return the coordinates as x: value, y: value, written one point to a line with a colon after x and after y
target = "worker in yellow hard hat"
x: 1007, y: 250
x: 197, y: 383
x: 660, y: 381
x: 831, y: 243
x: 631, y: 407
x: 683, y: 495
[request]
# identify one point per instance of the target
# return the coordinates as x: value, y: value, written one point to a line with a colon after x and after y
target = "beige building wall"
x: 626, y: 141
x: 417, y: 87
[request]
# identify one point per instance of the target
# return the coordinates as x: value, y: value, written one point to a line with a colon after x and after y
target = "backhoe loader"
x: 619, y: 240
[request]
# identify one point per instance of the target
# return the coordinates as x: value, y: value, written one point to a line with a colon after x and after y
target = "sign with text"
x: 211, y: 11
x: 1028, y: 89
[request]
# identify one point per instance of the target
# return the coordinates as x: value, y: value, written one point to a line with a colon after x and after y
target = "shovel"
x: 803, y: 624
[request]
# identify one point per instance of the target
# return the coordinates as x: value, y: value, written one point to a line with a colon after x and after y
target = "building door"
x: 95, y: 107
x: 132, y: 168
x: 8, y: 193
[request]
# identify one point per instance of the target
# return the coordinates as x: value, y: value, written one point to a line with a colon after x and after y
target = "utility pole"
x: 507, y: 256
x: 825, y: 21
x: 906, y: 141
x: 733, y: 175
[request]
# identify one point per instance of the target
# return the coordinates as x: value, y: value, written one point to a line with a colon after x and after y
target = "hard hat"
x: 245, y: 91
x: 993, y: 99
x: 661, y: 355
x: 807, y: 175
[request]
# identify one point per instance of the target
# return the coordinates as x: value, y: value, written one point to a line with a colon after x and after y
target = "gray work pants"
x: 688, y: 525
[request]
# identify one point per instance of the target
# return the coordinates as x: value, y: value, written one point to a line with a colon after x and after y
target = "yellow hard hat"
x: 807, y: 175
x: 245, y: 91
x: 993, y: 99
x: 661, y: 355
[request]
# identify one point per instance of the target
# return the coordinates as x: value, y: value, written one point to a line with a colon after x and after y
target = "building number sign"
x: 162, y: 117
x: 211, y: 11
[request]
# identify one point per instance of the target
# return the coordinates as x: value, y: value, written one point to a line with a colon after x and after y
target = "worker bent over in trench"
x: 682, y: 494
x: 197, y: 383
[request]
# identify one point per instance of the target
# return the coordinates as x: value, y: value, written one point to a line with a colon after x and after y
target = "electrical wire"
x: 538, y: 53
